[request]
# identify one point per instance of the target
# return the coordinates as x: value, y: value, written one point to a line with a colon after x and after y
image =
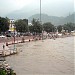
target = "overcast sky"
x: 50, y: 7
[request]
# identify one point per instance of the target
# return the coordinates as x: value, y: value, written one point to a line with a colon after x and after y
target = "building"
x: 29, y: 24
x: 11, y: 25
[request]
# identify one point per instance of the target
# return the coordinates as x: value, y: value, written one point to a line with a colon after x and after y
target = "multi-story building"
x: 11, y: 25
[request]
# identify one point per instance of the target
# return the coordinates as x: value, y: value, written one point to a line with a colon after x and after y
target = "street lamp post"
x: 40, y: 20
x: 40, y: 11
x: 14, y: 38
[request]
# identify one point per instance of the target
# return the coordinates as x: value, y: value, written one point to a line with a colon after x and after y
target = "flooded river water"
x: 48, y: 57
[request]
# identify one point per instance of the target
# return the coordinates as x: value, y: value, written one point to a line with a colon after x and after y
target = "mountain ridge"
x: 53, y: 19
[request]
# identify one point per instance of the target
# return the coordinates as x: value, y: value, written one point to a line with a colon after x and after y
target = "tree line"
x: 36, y: 27
x: 4, y: 24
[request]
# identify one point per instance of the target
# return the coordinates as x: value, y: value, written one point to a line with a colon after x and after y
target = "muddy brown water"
x: 48, y: 57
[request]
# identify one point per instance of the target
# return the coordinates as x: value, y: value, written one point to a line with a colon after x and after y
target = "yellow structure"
x: 11, y: 25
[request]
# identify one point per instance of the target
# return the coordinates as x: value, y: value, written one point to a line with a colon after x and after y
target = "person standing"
x: 3, y: 46
x: 3, y: 49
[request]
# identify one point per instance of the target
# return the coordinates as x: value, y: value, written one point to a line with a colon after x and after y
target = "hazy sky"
x: 50, y: 7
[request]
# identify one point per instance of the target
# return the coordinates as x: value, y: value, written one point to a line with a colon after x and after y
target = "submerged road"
x: 48, y: 57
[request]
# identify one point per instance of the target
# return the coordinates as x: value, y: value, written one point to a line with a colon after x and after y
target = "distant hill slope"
x: 53, y: 19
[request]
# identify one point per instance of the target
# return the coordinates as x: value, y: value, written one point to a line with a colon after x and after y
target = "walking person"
x: 3, y: 46
x: 3, y: 49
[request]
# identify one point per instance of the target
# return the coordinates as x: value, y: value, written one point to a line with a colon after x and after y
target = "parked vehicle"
x: 2, y: 36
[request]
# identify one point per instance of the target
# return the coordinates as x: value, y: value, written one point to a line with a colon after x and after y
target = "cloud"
x: 48, y: 6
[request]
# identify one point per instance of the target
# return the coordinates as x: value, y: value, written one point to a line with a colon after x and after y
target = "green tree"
x: 69, y: 26
x: 36, y: 26
x: 21, y: 25
x: 4, y: 25
x: 48, y: 27
x: 31, y: 29
x: 59, y: 28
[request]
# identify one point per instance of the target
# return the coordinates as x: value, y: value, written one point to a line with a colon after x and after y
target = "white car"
x: 2, y: 36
